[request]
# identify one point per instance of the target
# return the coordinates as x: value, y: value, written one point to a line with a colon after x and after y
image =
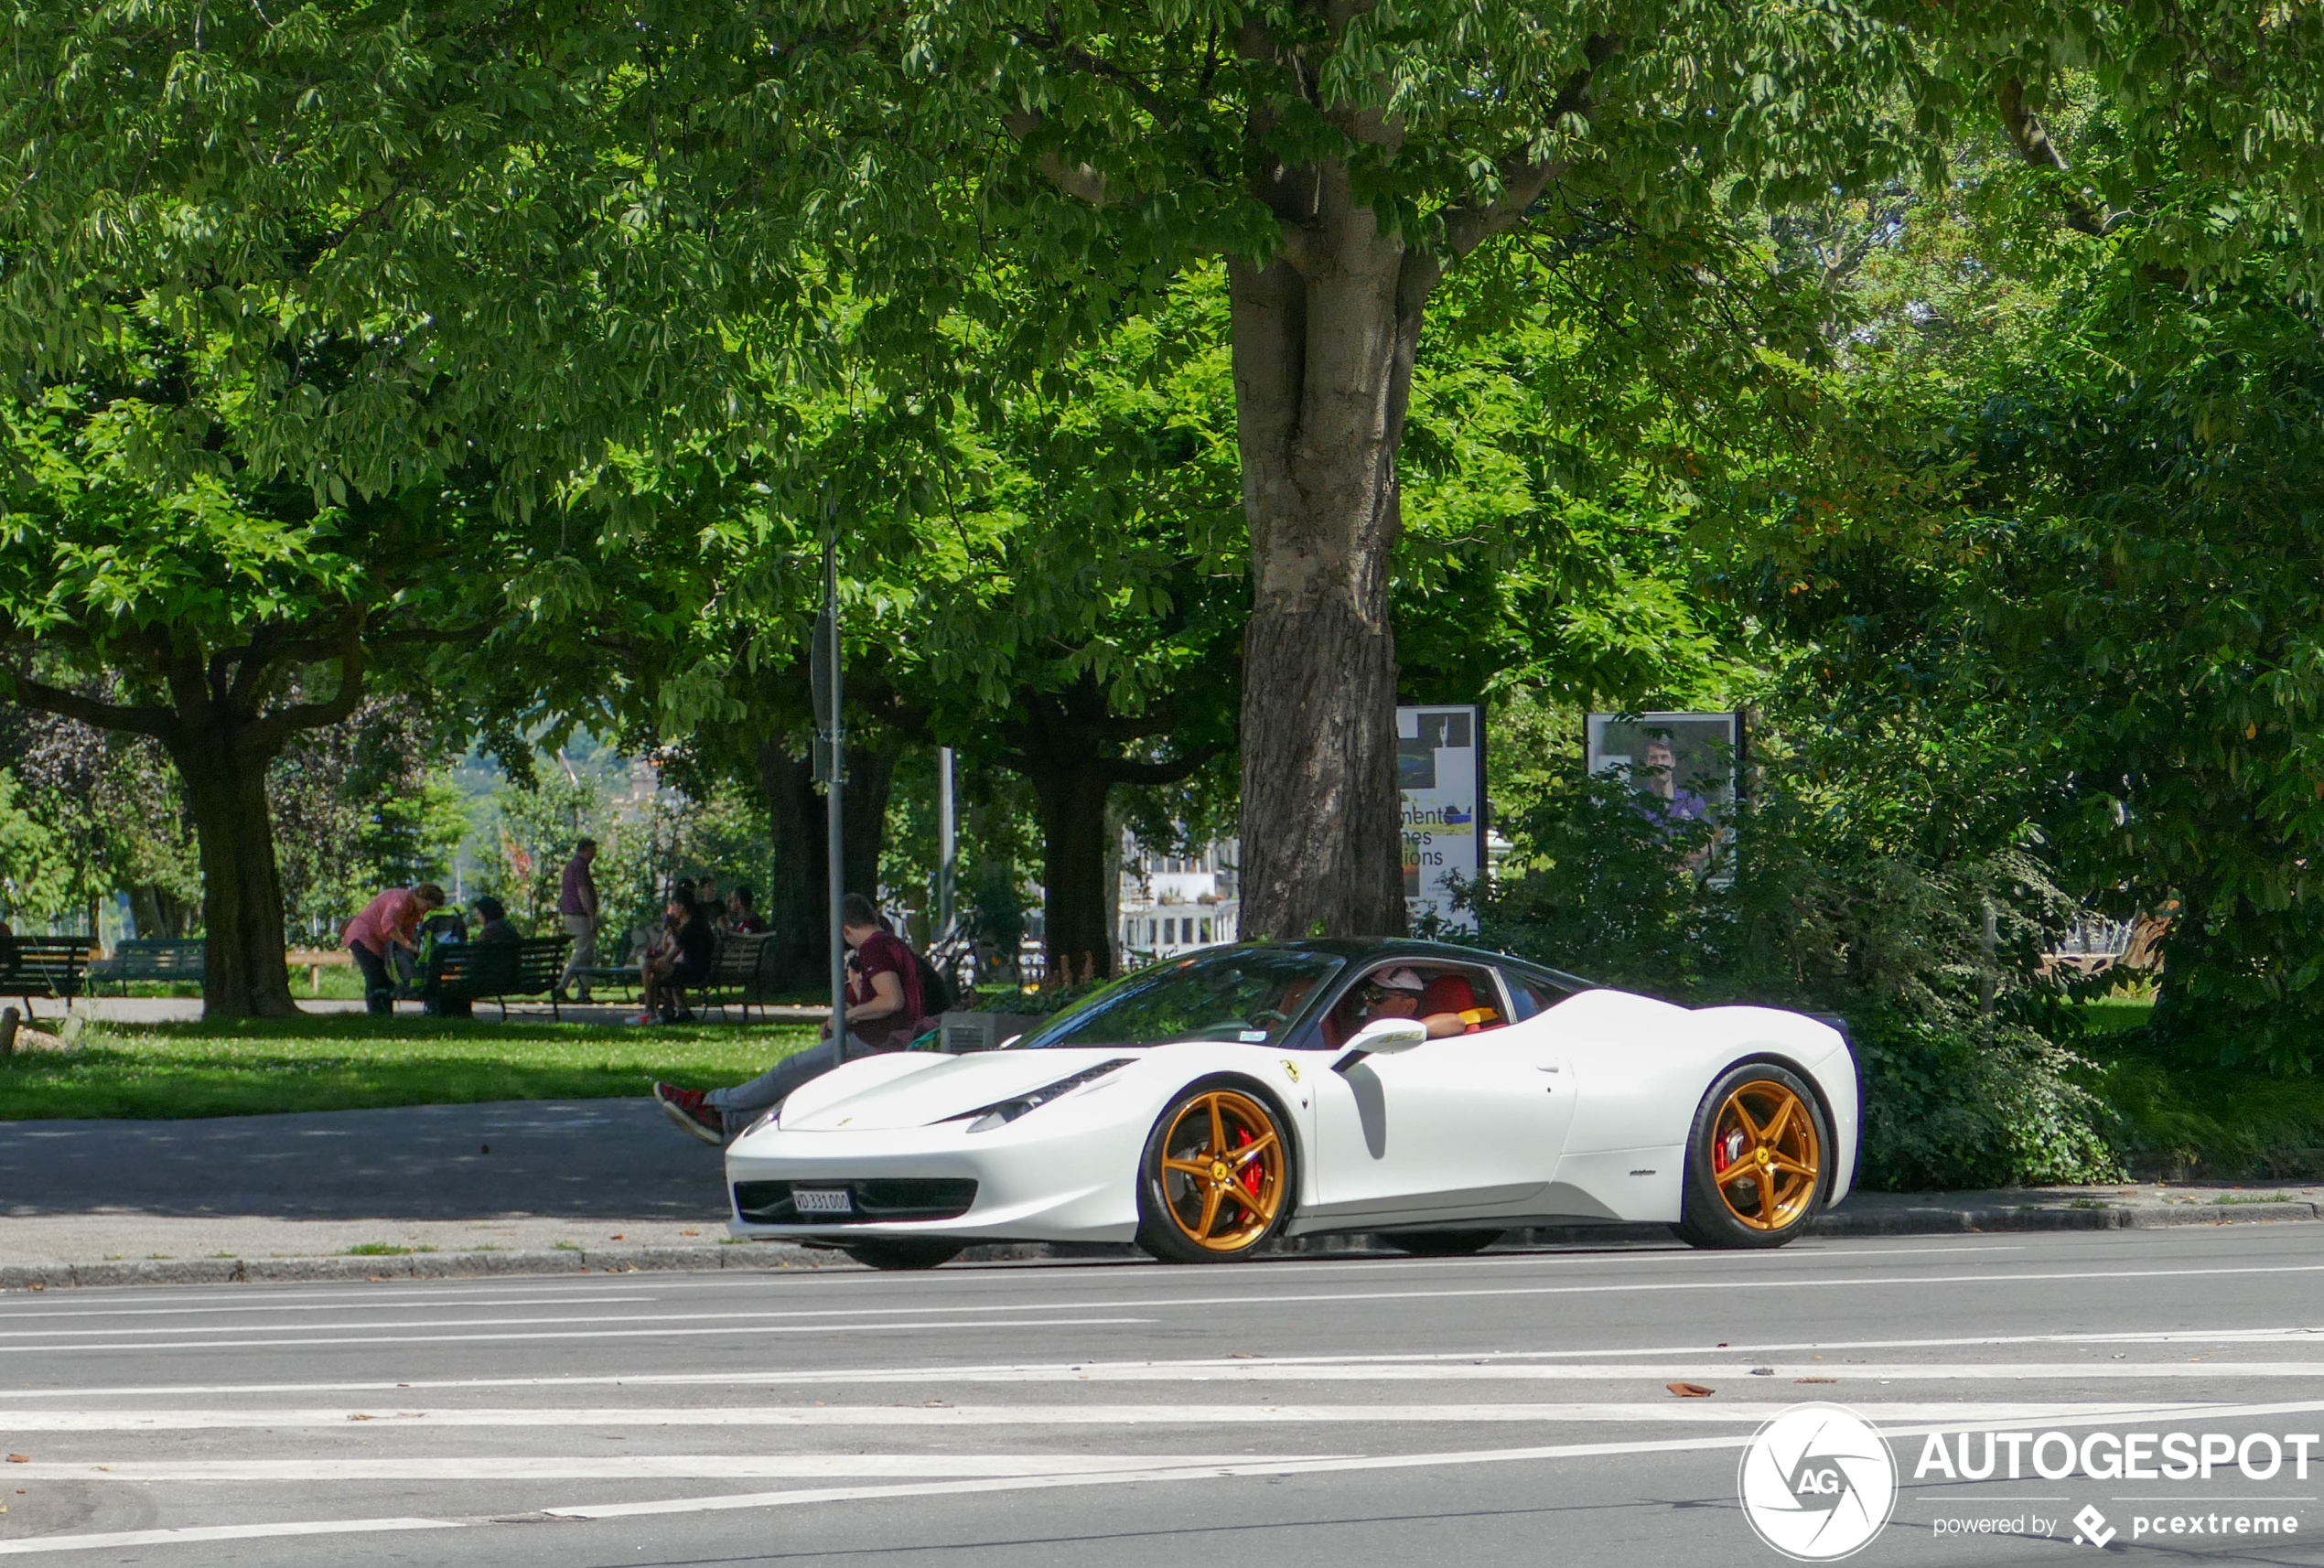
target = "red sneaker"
x: 688, y: 1108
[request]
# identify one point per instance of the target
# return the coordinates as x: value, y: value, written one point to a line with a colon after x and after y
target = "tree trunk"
x: 798, y: 900
x: 1077, y: 938
x: 1324, y: 338
x: 795, y: 895
x: 871, y: 775
x: 244, y: 973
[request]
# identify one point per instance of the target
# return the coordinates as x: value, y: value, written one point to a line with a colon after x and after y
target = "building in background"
x: 1173, y: 904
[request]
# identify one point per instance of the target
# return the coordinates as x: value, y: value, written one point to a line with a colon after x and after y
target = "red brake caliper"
x: 1250, y: 1173
x: 1723, y: 1152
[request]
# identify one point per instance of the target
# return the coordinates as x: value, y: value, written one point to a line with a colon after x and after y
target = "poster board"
x: 1686, y: 768
x: 1440, y: 769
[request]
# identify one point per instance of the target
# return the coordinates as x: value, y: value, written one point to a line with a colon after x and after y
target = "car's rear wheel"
x: 888, y: 1252
x: 1215, y: 1179
x: 1756, y: 1160
x: 1439, y: 1243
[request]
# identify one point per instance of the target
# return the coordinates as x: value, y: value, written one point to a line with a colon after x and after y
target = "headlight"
x: 1002, y: 1113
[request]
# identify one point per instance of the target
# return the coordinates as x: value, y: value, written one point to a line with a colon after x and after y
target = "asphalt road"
x: 1509, y: 1408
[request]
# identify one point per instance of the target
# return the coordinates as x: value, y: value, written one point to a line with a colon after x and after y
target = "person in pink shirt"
x: 392, y: 918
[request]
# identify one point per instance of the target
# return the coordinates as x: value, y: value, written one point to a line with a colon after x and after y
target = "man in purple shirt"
x: 578, y: 904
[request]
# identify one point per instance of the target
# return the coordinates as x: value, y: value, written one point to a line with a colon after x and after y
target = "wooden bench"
x: 734, y: 973
x: 489, y: 971
x: 43, y: 966
x: 148, y: 958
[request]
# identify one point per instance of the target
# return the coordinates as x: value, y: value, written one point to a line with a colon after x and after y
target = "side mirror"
x: 1383, y: 1038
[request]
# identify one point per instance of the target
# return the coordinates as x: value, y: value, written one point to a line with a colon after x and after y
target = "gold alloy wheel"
x: 1222, y: 1170
x: 1765, y: 1155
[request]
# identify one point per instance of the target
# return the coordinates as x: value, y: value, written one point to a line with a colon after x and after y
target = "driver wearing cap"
x: 1401, y: 993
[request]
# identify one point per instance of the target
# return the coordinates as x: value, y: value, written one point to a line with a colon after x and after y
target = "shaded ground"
x: 593, y: 1159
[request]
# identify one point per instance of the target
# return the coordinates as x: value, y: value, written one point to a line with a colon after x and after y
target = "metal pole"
x: 947, y: 840
x: 836, y: 845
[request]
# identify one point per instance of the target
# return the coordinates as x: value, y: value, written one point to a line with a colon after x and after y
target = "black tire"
x: 887, y: 1252
x: 1438, y: 1244
x: 1726, y: 1204
x: 1165, y: 1226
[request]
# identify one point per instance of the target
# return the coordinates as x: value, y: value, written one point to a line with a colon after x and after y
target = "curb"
x: 765, y: 1257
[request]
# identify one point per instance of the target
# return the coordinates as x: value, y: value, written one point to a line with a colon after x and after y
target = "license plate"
x: 822, y: 1200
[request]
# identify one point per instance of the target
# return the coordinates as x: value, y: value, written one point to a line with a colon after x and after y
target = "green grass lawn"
x: 347, y: 1063
x: 2112, y: 1014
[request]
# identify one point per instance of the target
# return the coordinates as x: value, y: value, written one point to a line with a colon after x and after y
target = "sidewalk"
x: 187, y: 1010
x: 526, y: 1187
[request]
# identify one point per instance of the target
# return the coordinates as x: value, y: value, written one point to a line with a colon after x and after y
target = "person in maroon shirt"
x: 883, y: 1015
x: 578, y: 903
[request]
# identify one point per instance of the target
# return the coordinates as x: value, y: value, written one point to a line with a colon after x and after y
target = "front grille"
x: 874, y: 1200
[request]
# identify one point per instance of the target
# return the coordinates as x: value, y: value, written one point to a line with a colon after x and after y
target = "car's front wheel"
x: 888, y: 1252
x: 1215, y: 1179
x: 1756, y: 1160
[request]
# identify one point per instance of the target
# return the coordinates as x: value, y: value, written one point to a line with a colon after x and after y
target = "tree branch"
x: 1523, y: 179
x: 1121, y: 770
x: 1077, y: 180
x: 2032, y: 141
x: 269, y: 733
x: 143, y: 719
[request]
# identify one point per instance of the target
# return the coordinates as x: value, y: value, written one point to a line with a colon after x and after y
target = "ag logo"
x: 1817, y: 1483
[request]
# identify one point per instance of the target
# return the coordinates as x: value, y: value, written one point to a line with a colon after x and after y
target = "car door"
x: 1465, y: 1124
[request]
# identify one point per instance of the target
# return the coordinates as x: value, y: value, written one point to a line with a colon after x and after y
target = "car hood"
x: 947, y: 1088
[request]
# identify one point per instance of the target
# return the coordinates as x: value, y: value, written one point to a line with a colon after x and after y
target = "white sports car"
x: 1436, y: 1095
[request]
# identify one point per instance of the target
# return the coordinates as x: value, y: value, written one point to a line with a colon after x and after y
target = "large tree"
x: 222, y: 619
x: 1344, y: 159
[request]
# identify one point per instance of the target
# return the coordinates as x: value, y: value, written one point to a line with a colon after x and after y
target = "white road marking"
x: 614, y: 1467
x: 914, y: 1325
x: 948, y: 1313
x: 1582, y: 1363
x: 1695, y: 1444
x: 375, y: 1422
x: 18, y: 1314
x: 570, y: 1288
x: 119, y: 1537
x: 1246, y: 1301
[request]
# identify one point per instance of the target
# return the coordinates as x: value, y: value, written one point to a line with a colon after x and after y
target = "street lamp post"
x: 823, y: 673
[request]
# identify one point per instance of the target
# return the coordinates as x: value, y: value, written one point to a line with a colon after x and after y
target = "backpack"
x: 935, y: 993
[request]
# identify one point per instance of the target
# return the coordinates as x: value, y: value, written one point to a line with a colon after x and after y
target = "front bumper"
x: 1068, y: 1181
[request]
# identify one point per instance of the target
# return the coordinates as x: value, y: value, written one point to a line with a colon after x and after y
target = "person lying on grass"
x: 884, y: 1013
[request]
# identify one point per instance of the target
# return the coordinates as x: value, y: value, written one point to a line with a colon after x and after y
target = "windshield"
x: 1245, y: 994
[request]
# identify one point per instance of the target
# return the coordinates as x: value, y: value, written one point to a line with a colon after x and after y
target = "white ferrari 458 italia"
x: 1434, y: 1095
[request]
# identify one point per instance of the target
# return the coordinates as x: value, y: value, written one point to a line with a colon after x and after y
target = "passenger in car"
x: 1447, y: 1002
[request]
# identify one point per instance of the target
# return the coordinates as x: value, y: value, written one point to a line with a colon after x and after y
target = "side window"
x: 1446, y: 991
x: 1531, y: 997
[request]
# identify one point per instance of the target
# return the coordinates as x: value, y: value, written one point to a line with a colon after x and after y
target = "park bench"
x: 734, y: 973
x: 148, y: 958
x: 485, y: 972
x: 43, y: 966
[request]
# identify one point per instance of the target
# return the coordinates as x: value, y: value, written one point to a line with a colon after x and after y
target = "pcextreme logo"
x: 1818, y: 1483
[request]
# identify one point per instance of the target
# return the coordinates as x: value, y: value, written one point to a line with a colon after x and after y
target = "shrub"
x: 1934, y: 967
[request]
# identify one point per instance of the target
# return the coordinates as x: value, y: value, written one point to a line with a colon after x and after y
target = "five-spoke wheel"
x: 1216, y: 1179
x: 1755, y: 1164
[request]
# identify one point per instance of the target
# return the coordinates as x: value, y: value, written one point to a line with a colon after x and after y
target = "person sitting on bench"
x: 884, y: 1013
x: 684, y: 958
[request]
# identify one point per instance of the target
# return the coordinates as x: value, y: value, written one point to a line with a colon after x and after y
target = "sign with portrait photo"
x: 1440, y: 767
x: 1686, y: 768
